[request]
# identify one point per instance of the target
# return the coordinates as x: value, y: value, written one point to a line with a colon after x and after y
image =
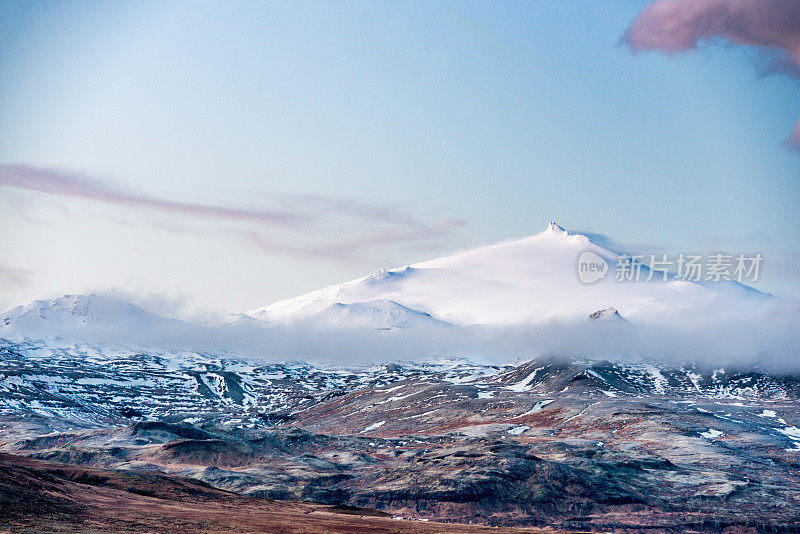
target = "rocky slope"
x: 568, y: 444
x: 38, y: 496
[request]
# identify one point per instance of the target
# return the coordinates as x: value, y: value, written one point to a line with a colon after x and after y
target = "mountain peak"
x: 89, y: 307
x: 608, y: 314
x: 77, y: 315
x: 553, y: 228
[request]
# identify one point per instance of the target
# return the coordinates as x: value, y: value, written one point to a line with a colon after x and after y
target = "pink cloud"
x: 70, y: 184
x: 673, y: 26
x: 299, y: 225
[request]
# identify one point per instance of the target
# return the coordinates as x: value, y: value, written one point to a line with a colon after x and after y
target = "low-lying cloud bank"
x: 762, y: 333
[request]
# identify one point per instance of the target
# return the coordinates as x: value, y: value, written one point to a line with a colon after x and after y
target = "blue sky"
x: 458, y: 124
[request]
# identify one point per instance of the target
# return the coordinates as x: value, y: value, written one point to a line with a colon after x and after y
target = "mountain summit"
x: 609, y: 314
x: 553, y: 228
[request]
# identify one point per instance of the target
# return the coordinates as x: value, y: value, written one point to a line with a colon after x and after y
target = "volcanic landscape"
x: 99, y: 435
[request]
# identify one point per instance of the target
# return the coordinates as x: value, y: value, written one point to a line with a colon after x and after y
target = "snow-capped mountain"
x: 481, y: 303
x: 79, y: 317
x: 527, y: 281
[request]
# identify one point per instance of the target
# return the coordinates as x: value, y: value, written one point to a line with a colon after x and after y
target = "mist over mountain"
x: 522, y: 282
x: 509, y: 301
